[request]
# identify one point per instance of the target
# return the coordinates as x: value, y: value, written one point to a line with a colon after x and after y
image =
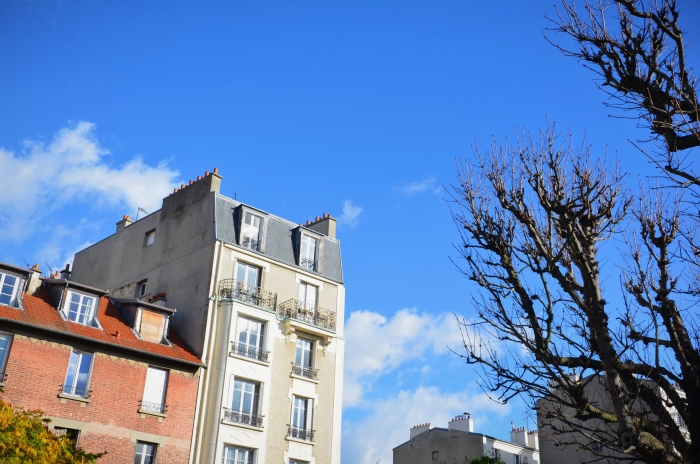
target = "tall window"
x: 248, y: 276
x: 5, y: 341
x: 307, y: 297
x: 236, y: 455
x: 79, y: 308
x: 250, y: 333
x: 8, y: 289
x: 154, y: 390
x: 150, y: 237
x: 251, y: 233
x: 141, y: 288
x: 245, y: 397
x: 78, y: 375
x: 303, y: 354
x: 309, y: 247
x: 301, y: 414
x: 145, y: 453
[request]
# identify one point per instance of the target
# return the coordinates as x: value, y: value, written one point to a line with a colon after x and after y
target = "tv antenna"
x: 139, y: 210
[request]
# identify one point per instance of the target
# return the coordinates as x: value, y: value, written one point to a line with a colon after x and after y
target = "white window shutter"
x: 155, y: 386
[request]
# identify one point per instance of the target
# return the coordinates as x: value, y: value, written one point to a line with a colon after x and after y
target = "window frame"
x: 144, y: 456
x: 65, y: 310
x: 309, y: 412
x: 312, y: 358
x: 256, y: 403
x: 141, y: 288
x: 262, y: 334
x: 317, y: 252
x: 306, y: 286
x: 76, y: 374
x: 149, y: 238
x: 13, y: 298
x: 243, y: 284
x: 5, y: 357
x: 234, y: 459
x: 165, y: 389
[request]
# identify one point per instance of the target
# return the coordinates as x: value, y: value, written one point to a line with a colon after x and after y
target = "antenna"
x: 139, y: 210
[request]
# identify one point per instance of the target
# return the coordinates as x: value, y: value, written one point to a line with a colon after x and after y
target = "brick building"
x: 108, y: 372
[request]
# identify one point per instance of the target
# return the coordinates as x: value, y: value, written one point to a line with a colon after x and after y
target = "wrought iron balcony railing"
x: 249, y: 351
x: 153, y: 407
x: 236, y: 290
x: 238, y: 417
x: 301, y: 434
x: 303, y: 371
x: 75, y: 391
x: 251, y: 243
x: 307, y: 263
x: 311, y: 314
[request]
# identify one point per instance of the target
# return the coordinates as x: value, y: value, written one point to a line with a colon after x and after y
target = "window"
x: 307, y: 297
x: 436, y: 455
x: 250, y: 334
x: 141, y: 288
x: 145, y: 453
x: 301, y: 418
x: 5, y: 341
x: 154, y: 390
x: 248, y: 276
x: 251, y: 233
x: 303, y: 359
x: 292, y: 461
x: 73, y: 434
x: 79, y: 308
x: 516, y: 459
x: 309, y: 247
x: 9, y: 285
x: 78, y: 375
x: 236, y: 455
x: 245, y: 398
x: 150, y: 237
x: 151, y: 326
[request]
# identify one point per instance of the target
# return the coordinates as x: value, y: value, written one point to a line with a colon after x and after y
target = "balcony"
x: 231, y: 289
x: 237, y: 417
x: 311, y: 314
x: 307, y: 263
x: 248, y: 351
x: 302, y: 371
x: 250, y: 243
x: 301, y: 434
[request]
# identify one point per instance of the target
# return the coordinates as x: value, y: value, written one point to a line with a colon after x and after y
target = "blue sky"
x: 358, y: 109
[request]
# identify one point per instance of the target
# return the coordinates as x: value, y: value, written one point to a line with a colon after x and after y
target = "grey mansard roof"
x: 279, y: 240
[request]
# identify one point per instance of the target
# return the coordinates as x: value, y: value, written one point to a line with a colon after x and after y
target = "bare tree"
x: 537, y: 220
x: 637, y: 47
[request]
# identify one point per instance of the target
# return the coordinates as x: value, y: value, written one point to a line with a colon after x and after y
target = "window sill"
x: 301, y: 377
x: 159, y: 415
x: 243, y: 426
x: 79, y: 399
x: 245, y: 358
x: 298, y: 440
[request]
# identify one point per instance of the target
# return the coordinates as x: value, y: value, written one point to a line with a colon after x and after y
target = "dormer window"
x: 309, y: 252
x: 150, y: 326
x: 9, y: 284
x: 251, y: 232
x: 80, y: 308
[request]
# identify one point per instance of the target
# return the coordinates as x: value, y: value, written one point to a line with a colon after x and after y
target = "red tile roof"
x: 40, y: 311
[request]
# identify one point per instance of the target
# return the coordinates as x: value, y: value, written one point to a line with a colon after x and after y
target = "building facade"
x: 459, y: 443
x: 261, y: 300
x: 109, y: 374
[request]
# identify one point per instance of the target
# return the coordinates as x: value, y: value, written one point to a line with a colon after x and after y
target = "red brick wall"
x: 36, y: 370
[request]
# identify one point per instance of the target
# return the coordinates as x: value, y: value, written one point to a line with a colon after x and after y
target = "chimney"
x: 518, y: 436
x: 420, y: 428
x: 34, y: 279
x: 124, y: 223
x: 462, y: 422
x: 324, y: 225
x: 533, y: 440
x: 65, y: 274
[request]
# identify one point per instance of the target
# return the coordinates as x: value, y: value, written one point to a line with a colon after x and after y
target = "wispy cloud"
x: 377, y: 345
x: 351, y: 214
x: 73, y: 168
x: 427, y: 185
x: 372, y: 438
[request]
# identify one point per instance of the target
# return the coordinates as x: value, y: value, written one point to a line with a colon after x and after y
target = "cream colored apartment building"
x: 260, y: 299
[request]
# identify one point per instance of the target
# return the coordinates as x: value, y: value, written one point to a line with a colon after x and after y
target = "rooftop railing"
x: 232, y: 289
x: 248, y: 351
x: 311, y: 314
x: 238, y: 417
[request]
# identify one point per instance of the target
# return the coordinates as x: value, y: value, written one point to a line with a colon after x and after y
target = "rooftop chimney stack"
x: 65, y: 274
x: 518, y: 435
x: 325, y: 225
x: 462, y: 422
x: 124, y: 223
x: 420, y: 428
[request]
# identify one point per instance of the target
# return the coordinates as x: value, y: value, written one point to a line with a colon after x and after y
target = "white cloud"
x: 72, y: 168
x: 429, y: 184
x: 387, y: 425
x: 376, y: 345
x: 351, y: 214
